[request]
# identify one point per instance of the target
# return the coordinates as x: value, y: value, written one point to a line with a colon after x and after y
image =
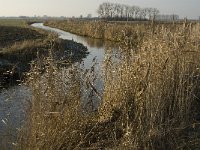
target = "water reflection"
x: 12, y: 102
x: 12, y: 99
x: 96, y: 47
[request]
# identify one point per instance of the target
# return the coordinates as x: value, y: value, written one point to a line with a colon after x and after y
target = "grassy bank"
x: 112, y: 31
x: 15, y: 37
x: 150, y: 98
x: 20, y: 44
x: 100, y: 29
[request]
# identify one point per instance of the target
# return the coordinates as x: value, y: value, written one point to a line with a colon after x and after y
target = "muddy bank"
x: 9, y: 73
x: 15, y: 63
x: 9, y: 34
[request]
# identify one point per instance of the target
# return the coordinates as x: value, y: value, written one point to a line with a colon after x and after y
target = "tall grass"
x: 150, y: 98
x: 99, y: 29
x: 155, y: 90
x: 55, y: 107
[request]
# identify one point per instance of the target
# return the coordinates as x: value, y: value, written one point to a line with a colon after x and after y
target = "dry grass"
x: 100, y: 30
x: 55, y: 108
x: 20, y: 46
x: 13, y: 22
x: 12, y: 34
x: 150, y: 98
x: 155, y: 89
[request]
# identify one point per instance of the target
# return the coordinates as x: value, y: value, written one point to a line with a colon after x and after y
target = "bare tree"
x: 105, y: 10
x: 143, y: 13
x: 132, y: 11
x: 137, y: 12
x: 126, y: 11
x: 101, y: 11
x: 155, y: 12
x: 149, y: 13
x: 120, y: 11
x: 112, y: 10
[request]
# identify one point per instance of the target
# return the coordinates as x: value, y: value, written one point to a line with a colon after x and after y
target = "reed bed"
x: 150, y: 98
x: 99, y: 29
x: 154, y: 90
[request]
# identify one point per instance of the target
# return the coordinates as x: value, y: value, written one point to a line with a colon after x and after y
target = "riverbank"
x: 115, y: 32
x: 150, y: 98
x: 21, y: 45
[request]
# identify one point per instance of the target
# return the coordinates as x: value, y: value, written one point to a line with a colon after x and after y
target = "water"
x: 96, y: 47
x: 12, y: 100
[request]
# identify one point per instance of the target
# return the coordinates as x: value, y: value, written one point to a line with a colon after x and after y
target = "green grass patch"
x: 13, y: 22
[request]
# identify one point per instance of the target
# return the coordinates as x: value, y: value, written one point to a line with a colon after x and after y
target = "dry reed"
x: 150, y: 98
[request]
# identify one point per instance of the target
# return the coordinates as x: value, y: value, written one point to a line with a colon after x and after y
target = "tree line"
x: 116, y: 11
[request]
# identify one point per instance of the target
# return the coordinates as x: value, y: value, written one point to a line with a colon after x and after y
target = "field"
x: 150, y: 98
x: 18, y: 22
x: 13, y: 22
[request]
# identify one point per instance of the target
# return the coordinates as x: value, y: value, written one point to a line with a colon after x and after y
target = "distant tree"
x: 101, y: 11
x: 175, y: 17
x: 155, y: 12
x: 166, y: 17
x: 126, y: 11
x: 121, y: 11
x: 117, y: 11
x: 89, y: 16
x: 132, y: 11
x: 149, y: 13
x: 108, y: 10
x: 137, y: 12
x: 143, y: 13
x: 105, y: 10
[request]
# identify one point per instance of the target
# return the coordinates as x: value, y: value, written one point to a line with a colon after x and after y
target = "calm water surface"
x: 12, y: 100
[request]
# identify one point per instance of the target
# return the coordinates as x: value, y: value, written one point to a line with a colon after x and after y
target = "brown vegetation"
x: 21, y: 45
x: 150, y: 98
x: 11, y: 34
x: 102, y: 30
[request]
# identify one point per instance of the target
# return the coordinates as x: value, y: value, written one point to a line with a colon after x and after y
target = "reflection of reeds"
x: 150, y: 98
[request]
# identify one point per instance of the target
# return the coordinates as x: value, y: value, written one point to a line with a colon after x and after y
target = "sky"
x: 69, y: 8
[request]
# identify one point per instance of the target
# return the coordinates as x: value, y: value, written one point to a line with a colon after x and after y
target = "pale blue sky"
x: 189, y: 8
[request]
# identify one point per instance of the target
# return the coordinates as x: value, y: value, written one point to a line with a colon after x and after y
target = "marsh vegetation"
x: 20, y: 45
x: 150, y: 98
